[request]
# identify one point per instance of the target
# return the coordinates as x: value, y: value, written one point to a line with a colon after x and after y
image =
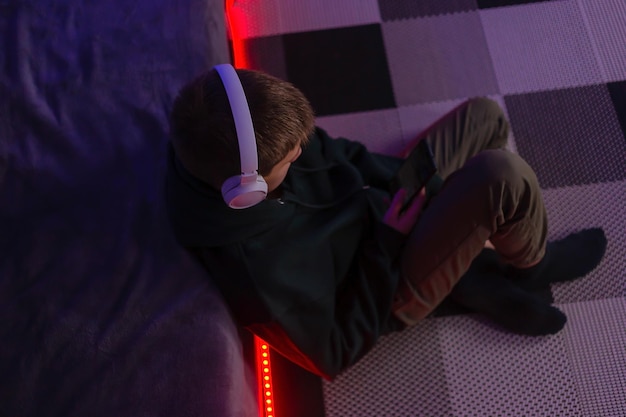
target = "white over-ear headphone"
x: 249, y: 188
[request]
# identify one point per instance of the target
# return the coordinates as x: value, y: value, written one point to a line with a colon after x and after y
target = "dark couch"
x: 102, y: 313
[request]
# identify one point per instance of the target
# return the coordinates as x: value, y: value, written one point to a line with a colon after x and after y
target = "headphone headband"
x: 243, y: 119
x: 249, y: 188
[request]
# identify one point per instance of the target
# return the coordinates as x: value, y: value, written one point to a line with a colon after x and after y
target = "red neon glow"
x: 236, y: 20
x: 264, y: 371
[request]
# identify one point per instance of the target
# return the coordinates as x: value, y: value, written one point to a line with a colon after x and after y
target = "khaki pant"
x: 488, y: 193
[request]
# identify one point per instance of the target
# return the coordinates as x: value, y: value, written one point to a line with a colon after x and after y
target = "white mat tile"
x: 540, y: 46
x: 438, y: 58
x: 493, y: 373
x: 596, y: 344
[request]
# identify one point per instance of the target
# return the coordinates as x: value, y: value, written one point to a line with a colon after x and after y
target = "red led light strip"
x: 235, y: 18
x: 264, y: 370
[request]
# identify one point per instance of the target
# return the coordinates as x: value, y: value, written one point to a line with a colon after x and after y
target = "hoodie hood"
x: 200, y: 217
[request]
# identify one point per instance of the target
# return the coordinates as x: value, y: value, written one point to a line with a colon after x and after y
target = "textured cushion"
x: 101, y: 311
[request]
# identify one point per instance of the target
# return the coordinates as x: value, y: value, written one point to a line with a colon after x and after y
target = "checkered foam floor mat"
x: 380, y: 72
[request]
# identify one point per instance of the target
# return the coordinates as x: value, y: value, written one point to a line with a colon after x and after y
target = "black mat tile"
x: 487, y: 4
x: 405, y: 9
x: 266, y: 54
x: 618, y: 96
x: 340, y: 70
x: 570, y: 137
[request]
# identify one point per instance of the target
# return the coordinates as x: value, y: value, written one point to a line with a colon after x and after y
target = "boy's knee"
x: 496, y: 167
x: 487, y: 107
x: 489, y: 115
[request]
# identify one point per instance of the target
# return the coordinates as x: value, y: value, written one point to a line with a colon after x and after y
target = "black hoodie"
x: 314, y: 272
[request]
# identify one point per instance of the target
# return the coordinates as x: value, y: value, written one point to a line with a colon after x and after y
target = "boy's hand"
x: 404, y: 221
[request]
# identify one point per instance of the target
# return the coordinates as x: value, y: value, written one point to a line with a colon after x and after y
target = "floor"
x: 380, y: 72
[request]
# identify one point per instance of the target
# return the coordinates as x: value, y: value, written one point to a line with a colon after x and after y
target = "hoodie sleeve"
x: 376, y: 169
x: 328, y: 335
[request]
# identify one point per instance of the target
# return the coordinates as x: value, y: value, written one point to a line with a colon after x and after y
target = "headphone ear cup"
x: 239, y: 196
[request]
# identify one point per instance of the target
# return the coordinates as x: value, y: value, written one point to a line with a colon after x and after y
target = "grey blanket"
x: 101, y: 311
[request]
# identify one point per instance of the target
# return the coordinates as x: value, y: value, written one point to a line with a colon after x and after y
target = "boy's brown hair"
x: 203, y: 133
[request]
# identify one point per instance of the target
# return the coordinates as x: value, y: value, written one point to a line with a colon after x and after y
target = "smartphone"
x: 418, y: 168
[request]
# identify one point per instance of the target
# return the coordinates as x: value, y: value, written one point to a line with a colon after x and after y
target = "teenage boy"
x: 324, y: 265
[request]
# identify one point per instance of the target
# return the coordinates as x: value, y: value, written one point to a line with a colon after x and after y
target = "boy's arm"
x: 376, y: 169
